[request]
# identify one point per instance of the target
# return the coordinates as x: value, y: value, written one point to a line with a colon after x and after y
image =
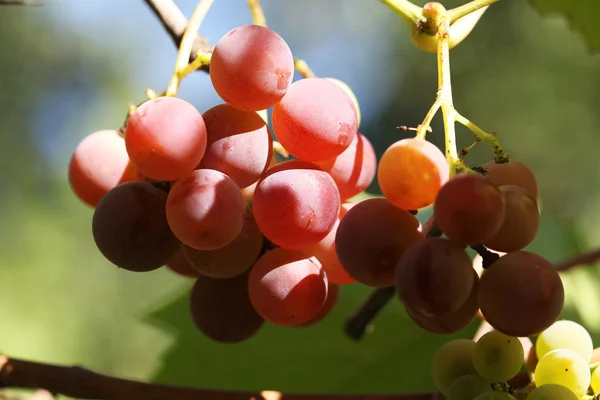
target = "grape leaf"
x: 581, y: 15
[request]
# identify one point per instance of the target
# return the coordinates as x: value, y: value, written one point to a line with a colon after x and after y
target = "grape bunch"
x: 487, y: 369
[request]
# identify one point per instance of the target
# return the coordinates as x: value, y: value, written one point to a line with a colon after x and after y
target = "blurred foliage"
x: 529, y: 78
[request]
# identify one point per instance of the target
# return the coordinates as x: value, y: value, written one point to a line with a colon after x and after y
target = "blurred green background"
x: 71, y: 67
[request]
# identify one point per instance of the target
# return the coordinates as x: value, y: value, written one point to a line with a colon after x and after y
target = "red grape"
x: 297, y: 207
x: 333, y: 293
x: 130, y: 228
x: 315, y: 120
x: 206, y: 210
x: 513, y: 173
x: 411, y: 173
x: 181, y: 266
x: 239, y: 144
x: 372, y: 237
x: 251, y: 67
x: 221, y: 309
x: 232, y: 259
x: 99, y: 163
x: 434, y: 277
x: 286, y: 288
x: 521, y: 220
x: 165, y: 138
x: 354, y: 169
x: 521, y: 294
x: 469, y: 209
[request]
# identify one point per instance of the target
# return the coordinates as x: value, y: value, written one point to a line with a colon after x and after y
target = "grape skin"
x: 498, y: 357
x: 239, y: 144
x: 98, y: 164
x: 251, y: 67
x: 221, y: 309
x: 451, y: 361
x: 165, y: 138
x: 350, y: 94
x: 525, y: 306
x: 521, y: 220
x: 206, y: 210
x: 551, y: 392
x: 469, y: 209
x: 315, y: 120
x: 333, y: 294
x: 181, y: 266
x: 286, y: 288
x: 434, y: 277
x: 130, y: 228
x: 467, y: 387
x: 595, y: 380
x: 296, y: 208
x: 372, y: 237
x: 564, y: 367
x: 353, y: 170
x: 411, y: 173
x: 513, y: 172
x: 232, y: 259
x: 565, y: 334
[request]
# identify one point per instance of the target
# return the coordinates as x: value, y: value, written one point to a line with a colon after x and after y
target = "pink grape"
x: 99, y: 163
x: 165, y: 138
x: 251, y: 67
x: 354, y: 169
x: 239, y: 144
x: 181, y: 266
x: 333, y: 294
x: 206, y: 210
x: 286, y: 288
x: 315, y: 120
x: 513, y: 172
x: 296, y: 207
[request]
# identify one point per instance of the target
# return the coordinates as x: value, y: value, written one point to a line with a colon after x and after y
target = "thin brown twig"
x: 582, y: 259
x: 85, y: 384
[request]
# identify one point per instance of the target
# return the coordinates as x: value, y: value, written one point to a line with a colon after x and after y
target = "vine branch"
x: 81, y: 383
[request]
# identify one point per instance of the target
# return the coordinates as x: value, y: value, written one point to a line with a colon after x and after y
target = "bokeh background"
x: 71, y: 67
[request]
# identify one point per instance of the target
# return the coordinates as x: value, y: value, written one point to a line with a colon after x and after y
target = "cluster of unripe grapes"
x: 560, y: 366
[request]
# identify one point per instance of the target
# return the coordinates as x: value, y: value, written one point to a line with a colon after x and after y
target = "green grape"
x: 467, y: 386
x: 495, y: 396
x: 596, y: 380
x: 453, y: 360
x: 498, y: 357
x: 564, y: 367
x: 552, y: 392
x: 565, y: 335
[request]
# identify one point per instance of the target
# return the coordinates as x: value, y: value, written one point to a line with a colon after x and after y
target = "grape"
x: 350, y: 94
x: 232, y: 259
x: 451, y: 361
x: 496, y: 396
x: 434, y: 277
x: 286, y: 288
x: 498, y: 357
x: 467, y: 387
x: 595, y: 380
x: 315, y: 120
x: 453, y: 321
x: 372, y: 237
x: 325, y: 252
x: 296, y: 207
x: 551, y: 392
x: 181, y: 266
x: 512, y: 173
x: 469, y: 209
x: 165, y: 138
x: 521, y: 294
x: 565, y: 335
x: 206, y: 210
x: 333, y: 293
x: 354, y: 169
x: 221, y: 309
x: 99, y: 163
x: 411, y: 173
x: 248, y: 191
x: 130, y: 228
x: 564, y: 367
x: 521, y: 220
x: 251, y: 67
x: 239, y: 144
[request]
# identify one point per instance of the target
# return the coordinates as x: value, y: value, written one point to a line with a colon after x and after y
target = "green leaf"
x: 582, y: 16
